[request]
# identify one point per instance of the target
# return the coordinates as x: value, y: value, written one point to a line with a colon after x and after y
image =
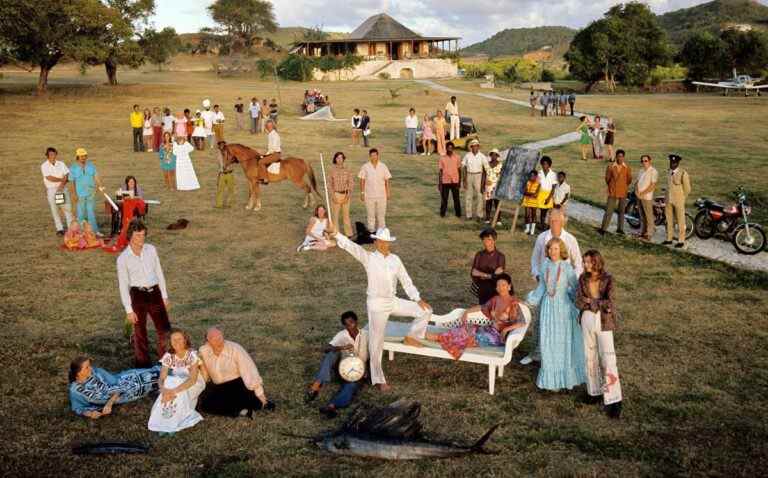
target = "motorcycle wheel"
x: 632, y: 214
x: 749, y: 243
x: 703, y: 225
x: 688, y: 226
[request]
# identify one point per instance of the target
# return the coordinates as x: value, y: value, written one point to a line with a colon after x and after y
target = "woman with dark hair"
x: 131, y: 185
x: 316, y: 231
x: 503, y: 310
x: 168, y: 162
x: 486, y: 266
x: 585, y: 139
x: 595, y: 299
x: 341, y: 184
x: 94, y: 391
x: 181, y: 383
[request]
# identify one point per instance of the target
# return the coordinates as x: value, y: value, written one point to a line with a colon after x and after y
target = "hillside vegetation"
x: 517, y: 41
x: 713, y: 17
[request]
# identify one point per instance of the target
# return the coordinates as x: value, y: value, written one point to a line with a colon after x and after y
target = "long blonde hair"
x: 563, y: 249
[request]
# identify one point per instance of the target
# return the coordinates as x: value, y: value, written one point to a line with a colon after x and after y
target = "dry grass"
x: 691, y: 348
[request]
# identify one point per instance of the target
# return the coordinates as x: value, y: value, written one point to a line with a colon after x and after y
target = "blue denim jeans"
x: 410, y: 141
x: 86, y: 206
x: 347, y: 391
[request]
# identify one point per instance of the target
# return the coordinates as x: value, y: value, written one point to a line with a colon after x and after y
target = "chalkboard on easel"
x: 514, y: 175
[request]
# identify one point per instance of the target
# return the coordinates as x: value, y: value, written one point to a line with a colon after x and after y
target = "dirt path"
x: 714, y: 249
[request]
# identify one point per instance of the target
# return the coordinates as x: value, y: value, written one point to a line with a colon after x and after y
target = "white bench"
x: 495, y: 357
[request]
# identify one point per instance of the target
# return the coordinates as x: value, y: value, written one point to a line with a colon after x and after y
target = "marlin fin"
x: 478, y: 446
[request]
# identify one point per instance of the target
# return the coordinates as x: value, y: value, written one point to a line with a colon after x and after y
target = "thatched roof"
x: 382, y: 27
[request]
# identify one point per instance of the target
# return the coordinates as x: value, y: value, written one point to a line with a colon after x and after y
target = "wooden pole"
x: 325, y: 186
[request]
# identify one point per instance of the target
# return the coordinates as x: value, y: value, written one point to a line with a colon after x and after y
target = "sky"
x: 473, y: 20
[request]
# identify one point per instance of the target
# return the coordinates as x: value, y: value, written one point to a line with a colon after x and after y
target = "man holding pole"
x: 85, y: 182
x: 384, y: 271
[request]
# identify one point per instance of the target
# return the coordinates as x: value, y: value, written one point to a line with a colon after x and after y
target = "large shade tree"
x: 43, y: 32
x: 624, y: 45
x: 706, y: 55
x: 243, y: 21
x: 160, y: 46
x: 119, y: 40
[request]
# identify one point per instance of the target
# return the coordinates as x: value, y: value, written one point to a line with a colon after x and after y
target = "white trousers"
x: 56, y: 208
x: 474, y: 195
x: 376, y: 212
x: 379, y: 311
x: 602, y: 373
x: 455, y: 126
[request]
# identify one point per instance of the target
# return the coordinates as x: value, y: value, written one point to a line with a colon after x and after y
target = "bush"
x: 299, y: 68
x: 522, y: 70
x: 547, y: 75
x: 384, y: 75
x: 662, y: 73
x: 265, y: 67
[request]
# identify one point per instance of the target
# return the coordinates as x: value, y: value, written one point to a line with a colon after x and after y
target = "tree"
x: 119, y: 43
x: 160, y: 46
x: 625, y: 45
x: 244, y: 21
x: 703, y: 54
x: 43, y: 32
x: 745, y: 51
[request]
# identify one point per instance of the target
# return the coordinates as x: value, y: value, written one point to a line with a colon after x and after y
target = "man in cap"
x: 384, y: 271
x: 678, y: 189
x: 84, y: 183
x: 474, y: 164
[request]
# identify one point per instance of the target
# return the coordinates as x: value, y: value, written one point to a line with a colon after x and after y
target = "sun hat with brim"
x: 494, y: 151
x: 474, y: 142
x: 383, y: 234
x: 80, y: 152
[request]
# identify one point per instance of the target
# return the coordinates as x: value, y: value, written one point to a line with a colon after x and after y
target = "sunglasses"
x: 645, y: 160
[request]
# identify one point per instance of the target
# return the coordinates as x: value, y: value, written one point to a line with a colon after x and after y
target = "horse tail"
x: 312, y: 179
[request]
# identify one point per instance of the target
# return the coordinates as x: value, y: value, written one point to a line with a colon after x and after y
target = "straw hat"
x: 383, y: 234
x: 474, y: 142
x: 80, y: 152
x: 494, y: 151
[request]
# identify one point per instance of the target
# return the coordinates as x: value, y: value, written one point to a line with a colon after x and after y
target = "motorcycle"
x: 633, y: 212
x: 713, y: 218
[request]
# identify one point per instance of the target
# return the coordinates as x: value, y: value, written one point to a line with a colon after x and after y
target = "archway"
x: 406, y: 74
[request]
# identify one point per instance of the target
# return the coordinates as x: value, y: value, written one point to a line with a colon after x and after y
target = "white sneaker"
x: 527, y: 360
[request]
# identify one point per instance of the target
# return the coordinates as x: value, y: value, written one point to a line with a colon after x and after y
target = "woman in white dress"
x: 186, y: 179
x: 181, y: 383
x: 316, y: 239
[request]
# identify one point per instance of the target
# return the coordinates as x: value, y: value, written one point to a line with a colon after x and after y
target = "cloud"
x: 473, y: 20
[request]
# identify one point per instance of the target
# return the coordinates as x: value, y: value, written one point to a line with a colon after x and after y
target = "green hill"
x: 517, y: 41
x: 713, y: 17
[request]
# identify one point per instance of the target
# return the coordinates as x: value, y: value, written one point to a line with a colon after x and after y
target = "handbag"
x: 58, y: 198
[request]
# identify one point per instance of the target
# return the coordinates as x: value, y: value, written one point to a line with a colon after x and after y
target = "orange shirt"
x: 618, y: 178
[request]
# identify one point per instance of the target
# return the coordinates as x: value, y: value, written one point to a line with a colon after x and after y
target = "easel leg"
x: 514, y: 220
x: 496, y: 215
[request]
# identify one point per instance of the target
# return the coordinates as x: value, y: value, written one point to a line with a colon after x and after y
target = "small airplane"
x: 738, y: 82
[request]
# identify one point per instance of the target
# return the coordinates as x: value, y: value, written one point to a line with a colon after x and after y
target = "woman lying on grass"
x: 503, y: 309
x: 93, y: 391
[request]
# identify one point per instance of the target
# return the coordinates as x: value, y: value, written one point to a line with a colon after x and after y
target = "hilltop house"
x: 389, y: 49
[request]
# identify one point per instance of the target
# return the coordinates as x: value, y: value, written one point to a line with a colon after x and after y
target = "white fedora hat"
x: 383, y: 234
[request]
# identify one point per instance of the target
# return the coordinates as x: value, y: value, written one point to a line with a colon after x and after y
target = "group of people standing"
x: 552, y: 103
x: 361, y: 127
x: 435, y: 131
x: 599, y: 134
x: 259, y: 113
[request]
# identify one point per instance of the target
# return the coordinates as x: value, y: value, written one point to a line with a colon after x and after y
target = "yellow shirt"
x: 137, y: 119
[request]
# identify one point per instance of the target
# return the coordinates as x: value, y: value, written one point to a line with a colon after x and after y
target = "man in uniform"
x: 678, y: 189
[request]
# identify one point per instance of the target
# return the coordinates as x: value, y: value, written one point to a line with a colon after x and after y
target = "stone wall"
x: 417, y: 69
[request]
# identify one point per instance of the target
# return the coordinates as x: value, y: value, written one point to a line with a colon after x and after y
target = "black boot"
x: 591, y: 399
x: 614, y: 410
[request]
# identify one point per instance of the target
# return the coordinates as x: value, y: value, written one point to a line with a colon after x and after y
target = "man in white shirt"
x: 218, y: 124
x: 537, y: 259
x: 474, y: 165
x: 274, y: 151
x: 55, y: 178
x: 142, y: 292
x: 452, y: 110
x: 645, y: 187
x: 350, y: 340
x: 562, y: 196
x: 255, y: 111
x: 209, y: 117
x: 411, y: 125
x: 384, y: 271
x: 374, y: 190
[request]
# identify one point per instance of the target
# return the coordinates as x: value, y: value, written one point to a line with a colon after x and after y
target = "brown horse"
x: 293, y: 169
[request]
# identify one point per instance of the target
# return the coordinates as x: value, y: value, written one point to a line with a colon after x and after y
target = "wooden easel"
x: 514, y: 216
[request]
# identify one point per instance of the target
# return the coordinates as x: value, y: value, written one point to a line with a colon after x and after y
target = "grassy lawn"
x: 691, y: 346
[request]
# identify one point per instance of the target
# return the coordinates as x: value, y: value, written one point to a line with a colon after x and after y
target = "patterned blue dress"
x: 94, y: 393
x: 560, y: 340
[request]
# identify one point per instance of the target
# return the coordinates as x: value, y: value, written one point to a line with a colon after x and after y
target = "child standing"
x: 562, y: 195
x: 147, y: 130
x: 180, y: 127
x: 168, y: 121
x: 531, y: 201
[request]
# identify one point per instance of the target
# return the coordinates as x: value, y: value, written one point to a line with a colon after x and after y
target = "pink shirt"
x: 181, y: 127
x: 449, y: 165
x: 375, y: 177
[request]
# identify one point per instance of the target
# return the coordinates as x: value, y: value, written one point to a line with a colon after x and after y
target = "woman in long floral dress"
x: 181, y: 383
x: 503, y: 309
x: 560, y: 338
x: 93, y: 391
x: 440, y: 132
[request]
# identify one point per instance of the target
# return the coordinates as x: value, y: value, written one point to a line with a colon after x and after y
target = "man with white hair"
x: 236, y: 388
x: 556, y: 220
x: 274, y: 151
x: 384, y: 271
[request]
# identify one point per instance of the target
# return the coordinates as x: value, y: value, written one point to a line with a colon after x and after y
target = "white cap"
x: 206, y: 103
x: 383, y: 234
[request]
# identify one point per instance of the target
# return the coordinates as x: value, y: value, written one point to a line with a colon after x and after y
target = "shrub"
x: 299, y: 68
x: 384, y: 75
x: 547, y: 75
x: 265, y: 67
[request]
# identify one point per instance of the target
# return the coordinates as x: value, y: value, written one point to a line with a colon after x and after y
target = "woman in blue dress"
x: 93, y: 391
x: 562, y: 346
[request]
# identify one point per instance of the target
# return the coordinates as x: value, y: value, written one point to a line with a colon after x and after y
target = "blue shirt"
x: 84, y: 178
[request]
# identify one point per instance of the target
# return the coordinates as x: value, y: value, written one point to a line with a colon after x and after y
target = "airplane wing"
x: 758, y: 87
x: 716, y: 85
